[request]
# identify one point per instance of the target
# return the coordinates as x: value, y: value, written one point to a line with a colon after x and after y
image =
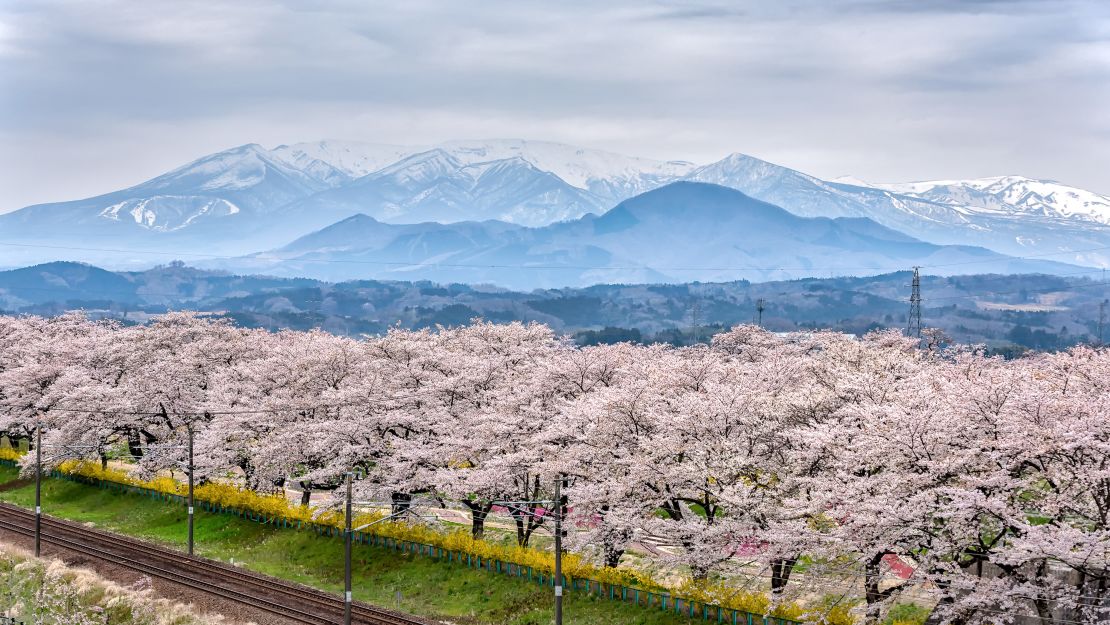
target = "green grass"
x: 406, y: 582
x: 907, y: 613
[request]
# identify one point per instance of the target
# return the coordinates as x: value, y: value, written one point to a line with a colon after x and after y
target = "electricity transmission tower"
x: 913, y: 326
x: 760, y: 304
x: 695, y: 309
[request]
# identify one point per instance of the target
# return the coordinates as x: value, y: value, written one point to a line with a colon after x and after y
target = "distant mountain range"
x: 678, y: 233
x: 546, y: 198
x: 1036, y: 311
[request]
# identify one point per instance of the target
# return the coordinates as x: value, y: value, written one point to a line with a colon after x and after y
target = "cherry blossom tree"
x: 989, y: 476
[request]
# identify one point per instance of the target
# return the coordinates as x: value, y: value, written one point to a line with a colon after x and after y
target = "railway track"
x: 291, y: 601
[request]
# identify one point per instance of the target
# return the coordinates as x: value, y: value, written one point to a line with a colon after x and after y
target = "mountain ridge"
x: 1003, y: 312
x: 680, y: 232
x: 251, y: 198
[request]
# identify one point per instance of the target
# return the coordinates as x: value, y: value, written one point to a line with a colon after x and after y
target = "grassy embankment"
x: 46, y: 592
x: 410, y: 583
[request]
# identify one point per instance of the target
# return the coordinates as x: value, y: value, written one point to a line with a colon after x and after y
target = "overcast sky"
x: 99, y: 95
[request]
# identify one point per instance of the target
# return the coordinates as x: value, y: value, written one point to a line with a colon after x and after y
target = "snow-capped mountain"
x: 1009, y: 194
x: 438, y: 186
x: 249, y: 198
x: 208, y: 194
x: 592, y: 170
x: 607, y: 175
x: 336, y: 162
x: 1038, y: 223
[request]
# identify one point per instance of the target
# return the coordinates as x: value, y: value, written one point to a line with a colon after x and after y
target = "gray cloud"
x: 95, y: 96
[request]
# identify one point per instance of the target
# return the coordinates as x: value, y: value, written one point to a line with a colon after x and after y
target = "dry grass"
x: 51, y: 593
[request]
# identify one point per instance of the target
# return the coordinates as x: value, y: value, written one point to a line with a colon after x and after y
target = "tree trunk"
x: 612, y: 542
x: 1044, y: 610
x: 478, y: 513
x: 134, y: 444
x: 781, y: 568
x: 613, y: 556
x: 521, y: 537
x: 248, y: 472
x: 1042, y: 603
x: 874, y: 595
x: 699, y: 572
x: 1092, y: 599
x: 477, y: 523
x: 527, y: 520
x: 400, y: 503
x: 673, y: 509
x: 872, y: 577
x: 306, y: 494
x: 935, y: 617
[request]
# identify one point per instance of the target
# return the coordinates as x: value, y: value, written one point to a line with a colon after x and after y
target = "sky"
x: 99, y: 95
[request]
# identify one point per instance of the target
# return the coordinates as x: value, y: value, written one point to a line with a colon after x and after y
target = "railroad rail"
x: 297, y: 603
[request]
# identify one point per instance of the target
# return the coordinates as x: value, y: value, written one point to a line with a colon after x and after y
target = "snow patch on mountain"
x: 1011, y: 194
x: 349, y: 159
x: 167, y: 213
x: 576, y: 166
x: 593, y: 170
x: 237, y: 169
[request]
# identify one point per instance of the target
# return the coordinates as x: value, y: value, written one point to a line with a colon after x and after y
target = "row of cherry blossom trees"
x: 752, y: 454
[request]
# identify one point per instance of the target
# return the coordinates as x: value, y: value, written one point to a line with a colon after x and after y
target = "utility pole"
x: 760, y: 304
x: 190, y: 489
x: 38, y: 489
x: 347, y: 560
x: 1101, y: 322
x: 558, y: 550
x: 913, y: 326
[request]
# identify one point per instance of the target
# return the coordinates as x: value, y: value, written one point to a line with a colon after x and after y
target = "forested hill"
x: 1005, y: 312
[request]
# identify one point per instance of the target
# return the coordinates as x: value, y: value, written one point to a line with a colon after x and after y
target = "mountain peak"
x: 428, y: 164
x: 740, y: 157
x: 357, y: 219
x: 694, y: 198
